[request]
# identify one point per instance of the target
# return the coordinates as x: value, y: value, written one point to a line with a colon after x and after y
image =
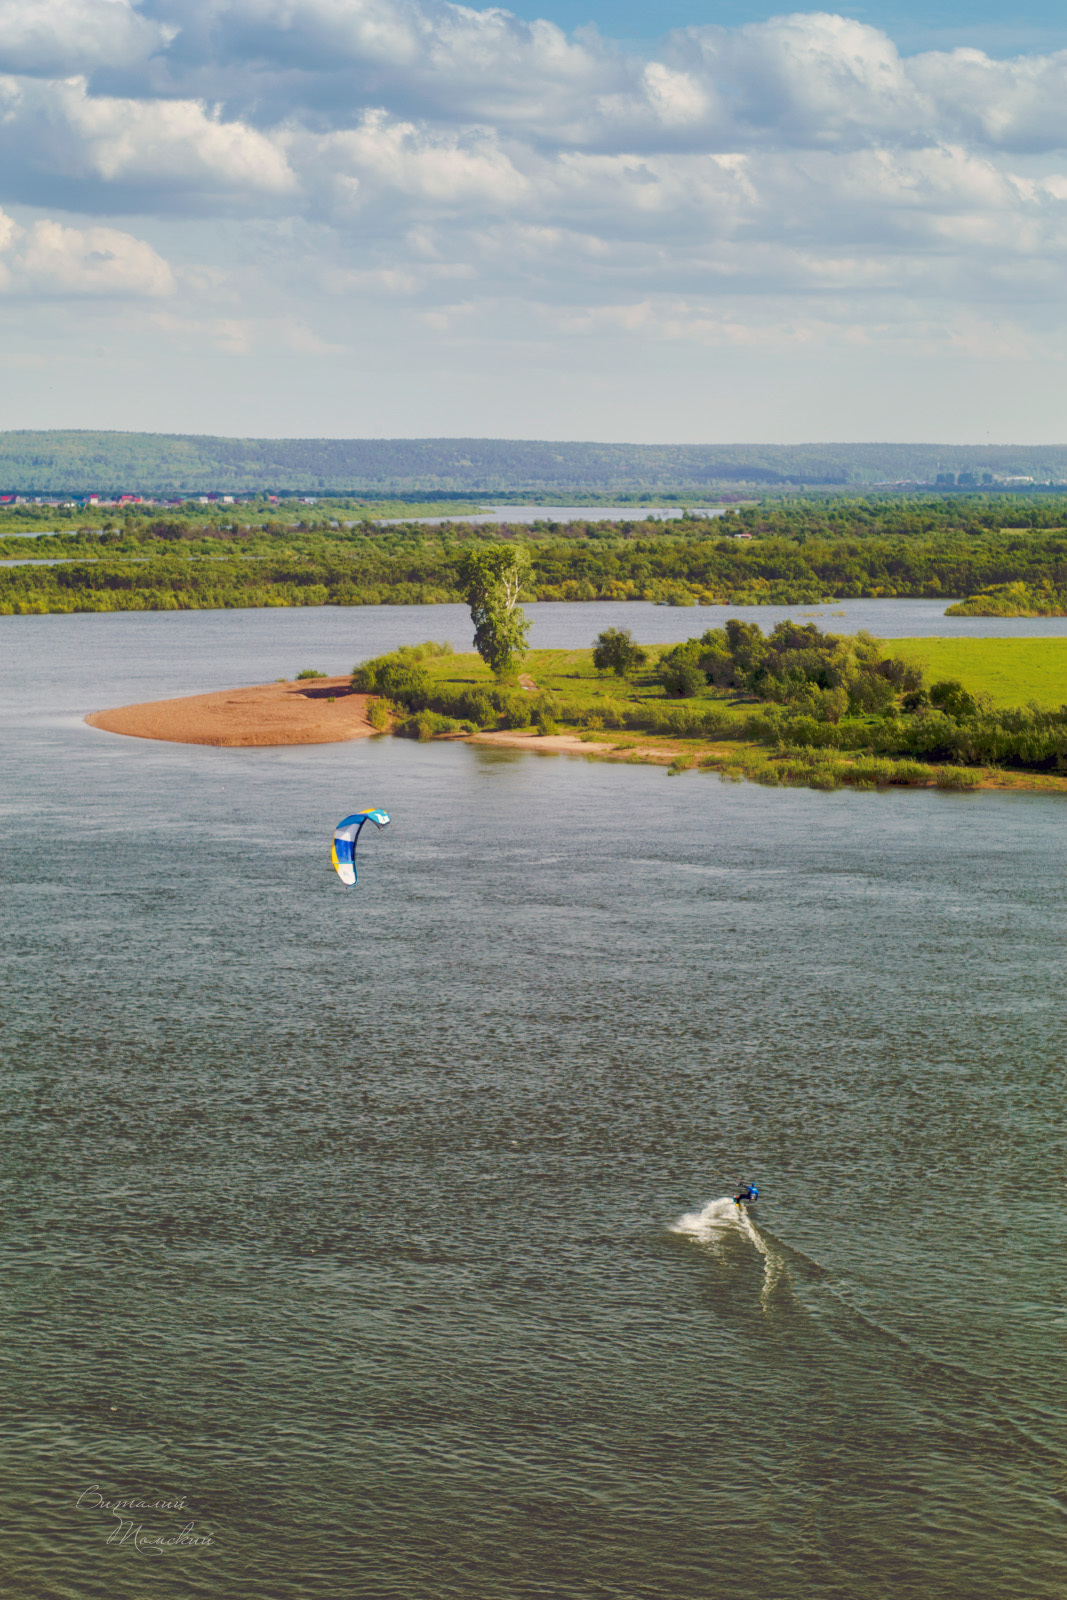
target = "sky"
x: 688, y: 222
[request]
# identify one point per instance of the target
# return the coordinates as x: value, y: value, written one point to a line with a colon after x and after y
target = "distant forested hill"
x: 76, y: 461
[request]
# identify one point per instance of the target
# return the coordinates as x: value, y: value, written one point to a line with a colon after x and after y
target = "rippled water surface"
x: 381, y: 1229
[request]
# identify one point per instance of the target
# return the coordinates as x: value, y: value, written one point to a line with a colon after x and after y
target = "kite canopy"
x: 345, y: 837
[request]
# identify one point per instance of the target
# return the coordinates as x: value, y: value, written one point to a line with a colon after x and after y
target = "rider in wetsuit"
x: 746, y: 1191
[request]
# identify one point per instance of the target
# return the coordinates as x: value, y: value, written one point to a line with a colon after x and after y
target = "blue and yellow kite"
x: 345, y: 837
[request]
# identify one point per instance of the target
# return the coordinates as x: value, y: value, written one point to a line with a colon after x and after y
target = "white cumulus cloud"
x: 410, y: 163
x: 52, y: 259
x: 54, y: 37
x: 57, y: 135
x: 389, y: 150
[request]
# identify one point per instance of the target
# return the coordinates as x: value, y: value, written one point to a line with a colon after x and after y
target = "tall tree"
x: 492, y: 579
x: 616, y: 650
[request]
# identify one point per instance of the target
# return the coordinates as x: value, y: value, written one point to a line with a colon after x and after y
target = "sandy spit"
x: 539, y: 741
x: 298, y: 712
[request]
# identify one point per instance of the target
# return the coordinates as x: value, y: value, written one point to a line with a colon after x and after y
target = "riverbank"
x: 300, y: 711
x: 563, y: 705
x: 325, y: 711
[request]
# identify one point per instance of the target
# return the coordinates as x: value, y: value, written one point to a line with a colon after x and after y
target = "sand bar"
x: 510, y: 739
x: 298, y: 712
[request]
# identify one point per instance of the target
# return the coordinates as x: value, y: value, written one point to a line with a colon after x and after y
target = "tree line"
x: 799, y: 554
x: 46, y: 461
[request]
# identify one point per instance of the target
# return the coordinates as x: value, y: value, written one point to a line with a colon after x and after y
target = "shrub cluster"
x: 616, y: 650
x: 825, y: 675
x: 401, y: 678
x: 1038, y: 599
x: 424, y: 725
x: 820, y: 769
x: 1028, y: 738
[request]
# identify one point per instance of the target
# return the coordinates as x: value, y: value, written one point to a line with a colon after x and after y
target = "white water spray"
x: 724, y: 1216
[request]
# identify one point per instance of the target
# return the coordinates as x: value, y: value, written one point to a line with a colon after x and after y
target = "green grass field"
x: 571, y: 674
x: 566, y: 672
x: 1011, y: 671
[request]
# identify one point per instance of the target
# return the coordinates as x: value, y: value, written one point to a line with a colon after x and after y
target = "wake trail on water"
x: 723, y: 1219
x: 724, y: 1216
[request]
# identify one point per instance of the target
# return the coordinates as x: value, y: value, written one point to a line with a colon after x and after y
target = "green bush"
x: 680, y: 676
x: 546, y: 705
x: 514, y: 710
x: 426, y: 725
x: 957, y: 778
x: 867, y: 773
x: 952, y: 697
x: 613, y: 713
x: 479, y: 707
x: 910, y: 772
x: 397, y: 675
x: 616, y: 650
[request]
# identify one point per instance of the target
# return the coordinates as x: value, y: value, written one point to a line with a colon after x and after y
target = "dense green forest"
x: 79, y: 461
x: 281, y: 512
x: 800, y: 552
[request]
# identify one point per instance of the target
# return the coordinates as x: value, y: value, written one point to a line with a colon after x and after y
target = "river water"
x: 379, y: 1232
x: 559, y: 514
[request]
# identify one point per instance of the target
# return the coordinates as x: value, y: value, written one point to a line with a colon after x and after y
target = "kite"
x: 346, y: 836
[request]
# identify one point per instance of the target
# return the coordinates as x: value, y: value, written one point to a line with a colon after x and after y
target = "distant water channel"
x: 375, y: 1232
x: 525, y: 514
x: 137, y: 655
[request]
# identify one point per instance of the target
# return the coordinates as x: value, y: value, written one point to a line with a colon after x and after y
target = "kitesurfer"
x: 746, y: 1192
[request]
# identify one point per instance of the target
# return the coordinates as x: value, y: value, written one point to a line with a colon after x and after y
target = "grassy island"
x: 1040, y: 599
x: 796, y: 707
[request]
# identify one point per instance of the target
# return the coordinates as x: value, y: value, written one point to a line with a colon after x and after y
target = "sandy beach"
x: 511, y: 739
x: 305, y: 711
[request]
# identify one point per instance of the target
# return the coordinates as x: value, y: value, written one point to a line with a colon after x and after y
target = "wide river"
x: 373, y: 1239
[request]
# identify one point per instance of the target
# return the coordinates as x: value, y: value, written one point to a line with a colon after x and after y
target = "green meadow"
x: 1012, y: 672
x: 571, y: 676
x: 566, y: 672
